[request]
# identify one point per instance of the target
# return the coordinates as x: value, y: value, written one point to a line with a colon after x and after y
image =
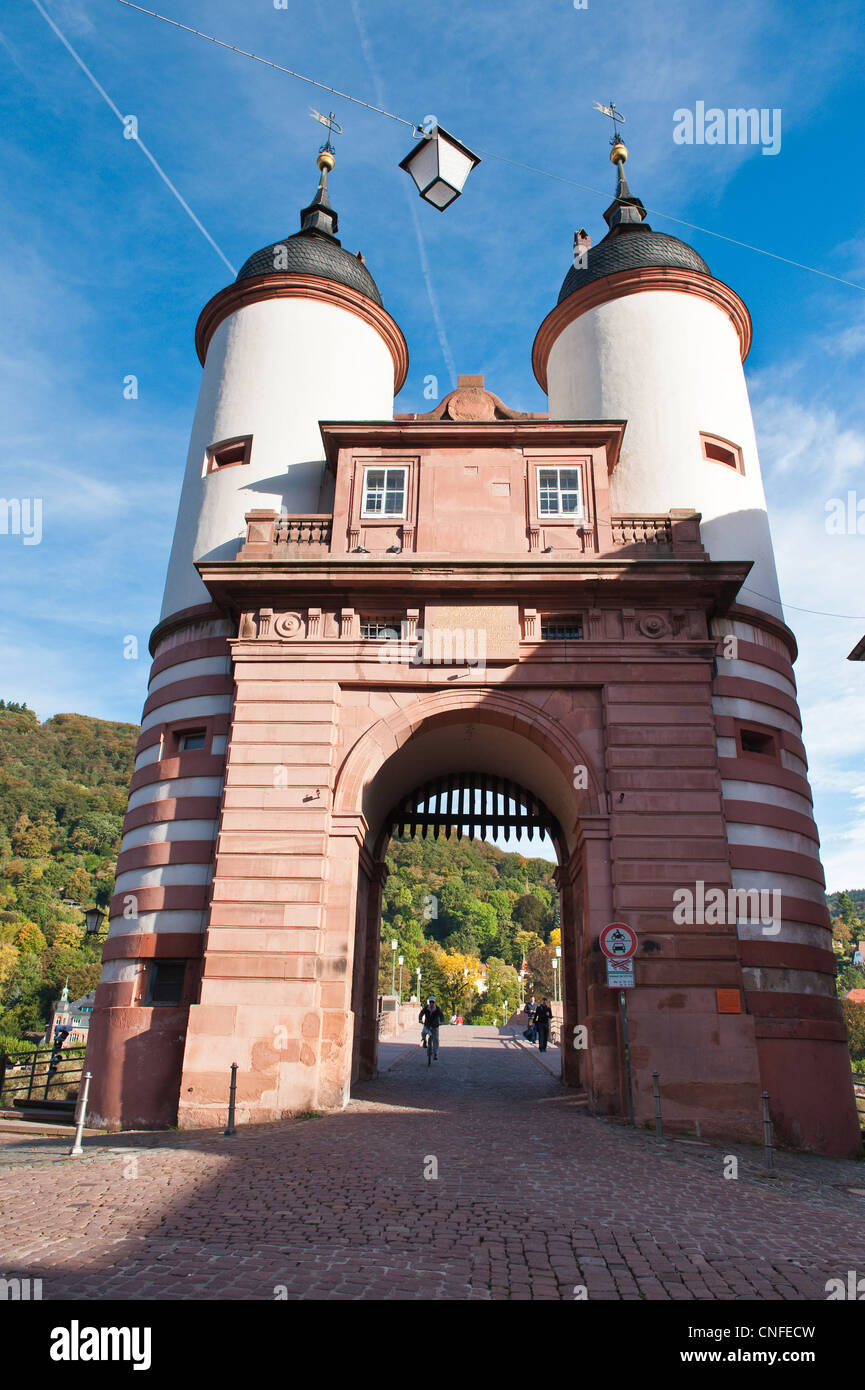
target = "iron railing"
x: 45, y: 1074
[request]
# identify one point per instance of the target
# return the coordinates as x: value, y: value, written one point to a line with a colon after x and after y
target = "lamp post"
x: 417, y: 972
x: 439, y: 165
x: 400, y: 960
x: 393, y: 946
x: 522, y: 974
x: 559, y: 970
x: 555, y: 978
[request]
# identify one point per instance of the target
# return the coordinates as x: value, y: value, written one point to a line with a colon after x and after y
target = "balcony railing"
x: 274, y: 535
x: 302, y: 530
x: 642, y: 530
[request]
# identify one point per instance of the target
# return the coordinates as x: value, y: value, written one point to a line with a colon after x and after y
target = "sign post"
x: 619, y: 945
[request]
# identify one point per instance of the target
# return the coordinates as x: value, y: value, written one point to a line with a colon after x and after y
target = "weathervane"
x: 331, y: 125
x: 615, y: 116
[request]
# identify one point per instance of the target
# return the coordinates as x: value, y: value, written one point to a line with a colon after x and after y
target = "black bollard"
x: 232, y: 1093
x: 768, y: 1151
x: 659, y: 1126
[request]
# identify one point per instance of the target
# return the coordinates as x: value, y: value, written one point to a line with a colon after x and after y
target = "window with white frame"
x: 559, y: 492
x: 384, y: 492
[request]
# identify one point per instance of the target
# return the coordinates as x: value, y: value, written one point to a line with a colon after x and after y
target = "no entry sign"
x: 618, y: 941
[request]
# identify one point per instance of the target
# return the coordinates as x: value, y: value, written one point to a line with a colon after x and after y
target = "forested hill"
x: 459, y: 910
x: 63, y: 791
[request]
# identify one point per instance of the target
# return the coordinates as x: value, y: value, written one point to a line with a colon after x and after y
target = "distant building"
x: 75, y: 1016
x: 856, y: 996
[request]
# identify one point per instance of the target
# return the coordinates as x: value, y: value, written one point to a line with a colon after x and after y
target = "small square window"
x: 380, y: 629
x: 754, y: 741
x: 165, y: 982
x: 227, y: 453
x: 561, y: 630
x: 384, y: 492
x: 559, y: 492
x: 193, y: 738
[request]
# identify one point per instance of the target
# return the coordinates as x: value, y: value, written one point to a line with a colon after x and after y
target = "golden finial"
x: 619, y: 151
x: 326, y: 159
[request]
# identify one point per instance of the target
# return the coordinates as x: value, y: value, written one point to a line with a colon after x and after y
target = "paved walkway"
x: 532, y: 1199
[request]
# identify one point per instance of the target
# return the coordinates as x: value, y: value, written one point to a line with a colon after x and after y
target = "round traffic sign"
x: 618, y: 941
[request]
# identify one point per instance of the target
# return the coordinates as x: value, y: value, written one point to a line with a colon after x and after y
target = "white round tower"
x: 643, y: 332
x: 301, y: 336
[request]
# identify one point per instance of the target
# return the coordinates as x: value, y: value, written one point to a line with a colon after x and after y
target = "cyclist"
x: 431, y: 1017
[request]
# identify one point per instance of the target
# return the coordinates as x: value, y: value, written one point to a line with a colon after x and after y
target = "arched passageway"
x: 464, y: 772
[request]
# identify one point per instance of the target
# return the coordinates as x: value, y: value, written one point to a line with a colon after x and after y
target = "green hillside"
x: 63, y: 790
x: 459, y: 910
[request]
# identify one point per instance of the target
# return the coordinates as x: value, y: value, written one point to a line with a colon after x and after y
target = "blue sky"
x: 104, y: 273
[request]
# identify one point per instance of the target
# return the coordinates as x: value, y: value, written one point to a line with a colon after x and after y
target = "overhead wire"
x: 491, y: 154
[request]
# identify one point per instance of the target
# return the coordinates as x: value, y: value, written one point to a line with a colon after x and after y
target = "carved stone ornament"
x: 654, y: 625
x: 288, y: 625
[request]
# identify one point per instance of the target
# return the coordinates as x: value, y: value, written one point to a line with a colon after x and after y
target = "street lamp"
x: 439, y: 165
x: 400, y: 960
x: 555, y: 978
x: 559, y: 969
x: 393, y: 946
x: 417, y: 972
x: 93, y: 919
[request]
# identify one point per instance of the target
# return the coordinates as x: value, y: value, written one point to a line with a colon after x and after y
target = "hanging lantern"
x: 93, y: 919
x: 439, y: 165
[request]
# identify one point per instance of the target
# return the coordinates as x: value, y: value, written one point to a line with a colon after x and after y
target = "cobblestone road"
x: 533, y: 1198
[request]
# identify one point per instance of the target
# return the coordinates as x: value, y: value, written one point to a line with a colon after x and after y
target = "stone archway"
x: 482, y: 733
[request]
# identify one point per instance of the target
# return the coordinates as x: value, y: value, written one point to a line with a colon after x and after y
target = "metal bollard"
x: 82, y: 1114
x: 232, y: 1093
x: 768, y: 1151
x: 659, y: 1125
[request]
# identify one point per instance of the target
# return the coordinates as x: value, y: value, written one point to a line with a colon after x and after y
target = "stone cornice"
x: 240, y: 585
x: 424, y: 433
x: 285, y: 286
x: 635, y: 281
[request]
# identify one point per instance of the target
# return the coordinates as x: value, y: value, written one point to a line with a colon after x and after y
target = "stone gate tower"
x: 375, y: 621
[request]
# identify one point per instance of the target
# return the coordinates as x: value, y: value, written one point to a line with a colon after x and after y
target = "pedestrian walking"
x: 543, y: 1018
x: 529, y: 1032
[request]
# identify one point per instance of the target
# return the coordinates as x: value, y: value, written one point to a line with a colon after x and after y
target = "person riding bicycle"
x: 431, y: 1017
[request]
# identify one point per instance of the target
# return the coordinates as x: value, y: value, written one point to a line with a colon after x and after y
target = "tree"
x: 460, y: 974
x: 30, y: 939
x: 78, y: 886
x: 540, y: 979
x: 849, y: 977
x: 8, y: 963
x: 846, y: 927
x: 854, y: 1017
x: 529, y: 914
x: 502, y: 985
x: 32, y: 841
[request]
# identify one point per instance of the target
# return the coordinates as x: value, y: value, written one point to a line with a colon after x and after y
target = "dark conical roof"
x: 629, y: 243
x: 314, y: 250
